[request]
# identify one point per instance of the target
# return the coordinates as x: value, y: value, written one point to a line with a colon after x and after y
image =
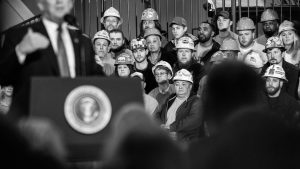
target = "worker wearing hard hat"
x: 101, y: 42
x: 142, y: 64
x: 185, y: 51
x: 230, y: 48
x: 181, y: 113
x: 223, y: 19
x: 274, y: 49
x: 246, y: 34
x: 278, y: 100
x: 111, y: 19
x: 163, y: 73
x: 270, y: 22
x: 124, y: 65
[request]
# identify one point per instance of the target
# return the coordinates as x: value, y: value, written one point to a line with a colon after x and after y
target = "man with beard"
x: 206, y: 46
x: 279, y: 101
x: 118, y: 43
x: 269, y: 19
x: 224, y: 22
x: 142, y: 64
x: 163, y: 74
x: 111, y: 19
x: 185, y: 49
x: 274, y: 50
x: 246, y: 34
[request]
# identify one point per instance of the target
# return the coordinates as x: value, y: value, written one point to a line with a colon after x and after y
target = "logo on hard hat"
x: 87, y: 109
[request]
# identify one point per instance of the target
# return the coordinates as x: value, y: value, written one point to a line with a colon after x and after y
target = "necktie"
x: 62, y: 55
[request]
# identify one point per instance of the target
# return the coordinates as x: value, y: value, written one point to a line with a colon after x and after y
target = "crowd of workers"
x: 191, y: 84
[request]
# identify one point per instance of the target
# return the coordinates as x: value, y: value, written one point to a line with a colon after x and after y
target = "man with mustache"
x: 111, y: 19
x: 279, y: 101
x: 269, y: 19
x: 246, y: 34
x: 206, y: 46
x: 274, y: 49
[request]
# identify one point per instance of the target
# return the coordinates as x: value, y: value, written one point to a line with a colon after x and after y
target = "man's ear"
x: 185, y: 29
x: 230, y: 23
x: 169, y: 76
x: 281, y: 83
x: 146, y: 51
x: 40, y: 5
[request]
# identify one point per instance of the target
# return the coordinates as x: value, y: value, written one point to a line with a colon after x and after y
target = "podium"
x: 82, y: 109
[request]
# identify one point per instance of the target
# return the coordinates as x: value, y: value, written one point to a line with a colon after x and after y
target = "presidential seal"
x: 87, y: 109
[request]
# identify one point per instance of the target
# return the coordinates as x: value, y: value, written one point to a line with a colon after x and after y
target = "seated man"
x: 181, y: 113
x: 281, y: 103
x: 163, y: 74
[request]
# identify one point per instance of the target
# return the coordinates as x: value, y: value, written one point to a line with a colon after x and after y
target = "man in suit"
x: 45, y: 48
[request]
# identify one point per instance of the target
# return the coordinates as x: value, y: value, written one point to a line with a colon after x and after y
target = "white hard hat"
x: 124, y: 59
x: 275, y: 71
x: 269, y: 15
x: 245, y: 23
x: 229, y: 44
x: 138, y: 74
x: 111, y: 12
x: 185, y: 42
x: 286, y: 25
x: 184, y: 75
x: 218, y: 56
x: 149, y: 14
x: 164, y: 64
x: 152, y: 31
x: 103, y: 34
x: 253, y: 59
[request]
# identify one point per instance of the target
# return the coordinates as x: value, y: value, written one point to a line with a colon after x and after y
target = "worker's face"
x: 270, y: 28
x: 101, y: 47
x: 7, y: 90
x: 273, y: 85
x: 153, y: 43
x: 111, y: 22
x: 205, y: 32
x: 55, y: 10
x: 246, y: 38
x: 182, y: 88
x: 287, y: 37
x: 184, y: 55
x: 161, y: 76
x: 274, y: 56
x: 223, y: 23
x: 231, y: 54
x: 117, y: 40
x: 123, y: 70
x: 178, y: 31
x: 148, y: 24
x: 140, y: 54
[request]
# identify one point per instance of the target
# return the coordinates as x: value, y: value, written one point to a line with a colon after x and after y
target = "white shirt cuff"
x: 20, y: 55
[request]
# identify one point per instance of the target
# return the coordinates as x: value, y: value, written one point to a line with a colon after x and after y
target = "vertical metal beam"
x: 233, y: 13
x: 174, y: 7
x: 207, y: 9
x: 191, y: 14
x: 290, y: 3
x: 82, y: 15
x: 281, y: 10
x: 128, y: 16
x: 223, y: 5
x: 248, y: 3
x: 167, y: 15
x: 257, y: 18
x: 264, y: 4
x: 240, y: 8
x: 183, y: 2
x: 136, y: 20
x: 89, y: 24
x: 273, y: 5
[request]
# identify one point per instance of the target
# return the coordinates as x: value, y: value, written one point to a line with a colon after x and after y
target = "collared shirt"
x: 51, y: 28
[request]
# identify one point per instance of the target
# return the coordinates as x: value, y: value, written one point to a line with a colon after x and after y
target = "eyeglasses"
x: 160, y: 74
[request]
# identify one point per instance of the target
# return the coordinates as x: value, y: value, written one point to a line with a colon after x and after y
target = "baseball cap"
x: 178, y: 21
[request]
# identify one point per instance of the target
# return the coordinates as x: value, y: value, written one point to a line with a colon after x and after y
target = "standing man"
x: 111, y: 19
x: 118, y: 44
x: 207, y: 46
x: 224, y: 22
x: 274, y: 50
x: 185, y: 50
x: 46, y: 48
x: 142, y: 64
x: 270, y: 21
x: 279, y: 101
x: 246, y: 34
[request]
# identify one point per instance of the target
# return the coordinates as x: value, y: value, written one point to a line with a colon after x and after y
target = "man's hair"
x: 212, y: 26
x: 117, y: 31
x: 230, y: 86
